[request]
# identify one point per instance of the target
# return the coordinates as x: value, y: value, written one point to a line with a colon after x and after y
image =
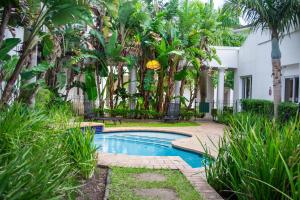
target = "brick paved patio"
x: 208, y: 133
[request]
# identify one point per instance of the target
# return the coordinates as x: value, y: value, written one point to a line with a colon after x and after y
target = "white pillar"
x: 220, y: 99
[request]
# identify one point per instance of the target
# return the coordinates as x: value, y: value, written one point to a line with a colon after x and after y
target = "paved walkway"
x: 208, y: 133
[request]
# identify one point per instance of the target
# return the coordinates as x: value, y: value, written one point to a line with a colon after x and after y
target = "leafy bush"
x: 43, y: 98
x: 35, y: 163
x: 257, y: 106
x: 187, y: 114
x: 82, y: 150
x: 225, y: 116
x: 287, y: 111
x: 258, y: 159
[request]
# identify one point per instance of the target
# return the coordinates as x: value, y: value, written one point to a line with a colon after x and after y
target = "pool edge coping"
x: 165, y: 131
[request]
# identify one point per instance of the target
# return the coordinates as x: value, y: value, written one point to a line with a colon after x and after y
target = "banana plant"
x: 110, y: 56
x: 50, y: 13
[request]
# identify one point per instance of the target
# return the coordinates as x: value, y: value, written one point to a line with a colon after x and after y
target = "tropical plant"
x: 258, y: 159
x: 40, y: 158
x: 43, y: 13
x: 277, y: 17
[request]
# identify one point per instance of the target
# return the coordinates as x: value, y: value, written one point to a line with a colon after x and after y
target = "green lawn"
x: 123, y: 183
x: 152, y: 124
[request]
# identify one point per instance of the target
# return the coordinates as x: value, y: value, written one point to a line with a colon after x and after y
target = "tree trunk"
x: 69, y: 83
x: 276, y: 84
x: 143, y: 71
x: 27, y: 94
x: 276, y: 68
x: 178, y: 84
x: 160, y: 91
x: 170, y: 89
x: 98, y: 80
x: 12, y: 80
x: 5, y: 18
x: 203, y: 86
x: 132, y: 88
x: 195, y: 93
x: 111, y: 88
x: 8, y: 90
x: 182, y: 87
x: 120, y: 82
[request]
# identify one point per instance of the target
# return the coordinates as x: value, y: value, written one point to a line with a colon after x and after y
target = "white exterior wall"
x: 255, y: 60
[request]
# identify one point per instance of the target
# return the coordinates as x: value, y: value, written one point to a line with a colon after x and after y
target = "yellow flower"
x: 153, y: 64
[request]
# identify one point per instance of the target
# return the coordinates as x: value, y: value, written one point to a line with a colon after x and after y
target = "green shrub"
x: 187, y: 114
x: 287, y: 111
x: 35, y: 163
x: 225, y: 116
x: 214, y: 113
x: 82, y: 150
x: 43, y: 98
x: 258, y: 159
x: 257, y: 106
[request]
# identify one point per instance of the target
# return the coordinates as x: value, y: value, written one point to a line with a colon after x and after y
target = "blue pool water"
x: 145, y: 144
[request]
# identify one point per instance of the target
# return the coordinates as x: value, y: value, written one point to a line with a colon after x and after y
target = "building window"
x: 291, y: 90
x: 247, y: 87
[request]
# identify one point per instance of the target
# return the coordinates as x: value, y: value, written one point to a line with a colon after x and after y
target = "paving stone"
x: 150, y: 177
x: 161, y: 194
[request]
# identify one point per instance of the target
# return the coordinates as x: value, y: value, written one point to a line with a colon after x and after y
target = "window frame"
x: 293, y: 77
x: 244, y: 80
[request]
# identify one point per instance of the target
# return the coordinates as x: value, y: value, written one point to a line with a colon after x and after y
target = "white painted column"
x: 220, y: 98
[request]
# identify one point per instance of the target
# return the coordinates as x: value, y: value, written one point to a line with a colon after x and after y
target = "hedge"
x: 258, y: 106
x: 286, y: 110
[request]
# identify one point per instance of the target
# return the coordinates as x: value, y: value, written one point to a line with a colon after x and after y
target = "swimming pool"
x: 145, y: 143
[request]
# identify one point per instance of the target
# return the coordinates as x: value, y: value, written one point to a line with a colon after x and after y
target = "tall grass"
x: 258, y: 159
x: 36, y: 161
x: 82, y: 151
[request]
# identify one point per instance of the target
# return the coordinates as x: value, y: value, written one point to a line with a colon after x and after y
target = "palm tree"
x: 279, y: 17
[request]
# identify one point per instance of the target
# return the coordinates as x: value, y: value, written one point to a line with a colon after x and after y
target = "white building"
x: 253, y: 67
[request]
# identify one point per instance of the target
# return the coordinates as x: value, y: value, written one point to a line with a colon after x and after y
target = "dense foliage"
x: 258, y: 159
x: 102, y: 48
x: 288, y: 111
x: 40, y: 156
x: 257, y: 106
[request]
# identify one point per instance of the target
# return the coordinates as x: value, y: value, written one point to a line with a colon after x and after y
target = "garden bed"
x: 94, y: 188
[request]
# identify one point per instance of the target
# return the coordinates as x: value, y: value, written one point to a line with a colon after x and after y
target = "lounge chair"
x: 173, y: 113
